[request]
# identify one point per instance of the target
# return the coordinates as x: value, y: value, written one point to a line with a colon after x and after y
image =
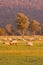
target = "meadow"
x: 22, y: 54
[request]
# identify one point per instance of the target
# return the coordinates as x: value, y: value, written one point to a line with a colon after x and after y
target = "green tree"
x: 22, y: 22
x: 34, y: 26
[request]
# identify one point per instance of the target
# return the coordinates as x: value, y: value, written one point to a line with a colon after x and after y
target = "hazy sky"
x: 32, y: 8
x: 33, y: 3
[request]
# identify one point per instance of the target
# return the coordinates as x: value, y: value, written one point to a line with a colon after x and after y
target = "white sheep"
x: 7, y: 43
x: 5, y: 39
x: 40, y: 39
x: 10, y: 39
x: 30, y: 44
x: 31, y: 39
x: 24, y: 40
x: 14, y: 42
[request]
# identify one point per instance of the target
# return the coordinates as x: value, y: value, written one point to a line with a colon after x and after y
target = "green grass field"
x: 22, y: 54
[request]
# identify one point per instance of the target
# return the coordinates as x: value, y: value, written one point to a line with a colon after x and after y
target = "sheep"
x: 24, y: 40
x: 30, y: 44
x: 40, y: 39
x: 7, y: 43
x: 4, y: 39
x: 10, y: 39
x: 14, y: 42
x: 31, y: 39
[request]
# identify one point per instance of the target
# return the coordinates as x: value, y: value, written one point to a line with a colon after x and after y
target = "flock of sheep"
x: 8, y: 41
x: 12, y: 41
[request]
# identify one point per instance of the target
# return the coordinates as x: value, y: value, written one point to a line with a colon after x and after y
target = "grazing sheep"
x: 40, y: 39
x: 14, y: 42
x: 10, y: 39
x: 7, y: 43
x: 24, y: 40
x: 31, y: 39
x: 30, y: 44
x: 5, y: 39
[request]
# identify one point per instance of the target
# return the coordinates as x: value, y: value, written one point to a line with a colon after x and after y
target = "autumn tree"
x: 2, y: 31
x: 42, y: 29
x: 34, y: 26
x: 22, y: 22
x: 8, y: 28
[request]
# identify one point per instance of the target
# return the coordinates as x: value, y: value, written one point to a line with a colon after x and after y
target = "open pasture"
x: 22, y: 54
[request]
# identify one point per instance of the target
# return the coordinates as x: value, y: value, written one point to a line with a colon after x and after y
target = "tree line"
x: 24, y: 26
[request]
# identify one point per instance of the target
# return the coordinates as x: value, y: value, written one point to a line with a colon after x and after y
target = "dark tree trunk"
x: 33, y: 33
